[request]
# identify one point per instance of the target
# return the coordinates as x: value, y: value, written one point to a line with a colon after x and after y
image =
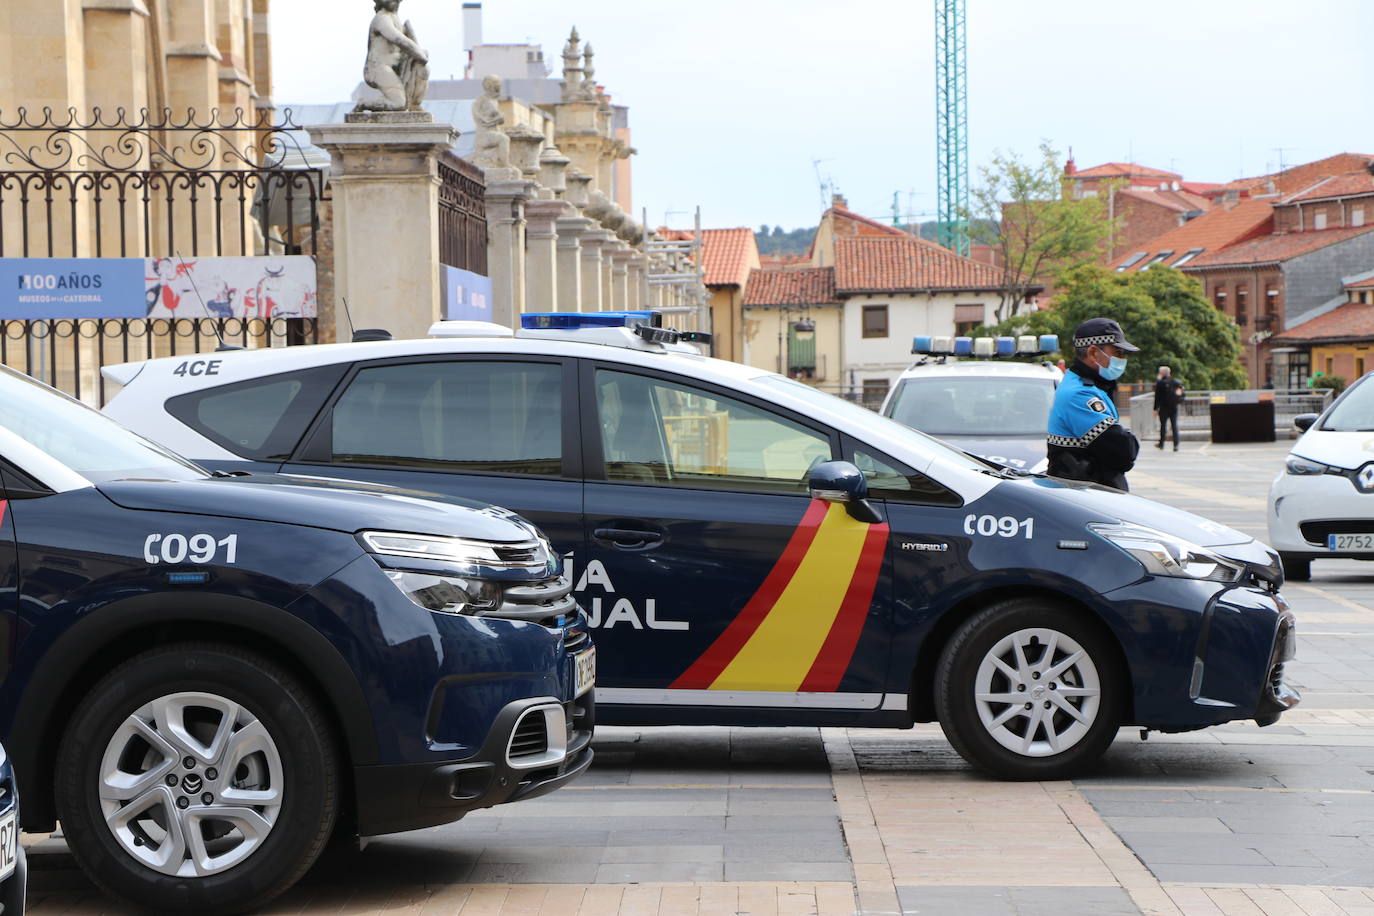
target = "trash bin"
x: 1252, y: 422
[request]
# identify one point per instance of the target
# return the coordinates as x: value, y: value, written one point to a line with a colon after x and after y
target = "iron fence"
x: 462, y: 215
x: 1195, y: 410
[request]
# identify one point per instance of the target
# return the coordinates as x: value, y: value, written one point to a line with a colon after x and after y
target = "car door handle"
x: 629, y: 538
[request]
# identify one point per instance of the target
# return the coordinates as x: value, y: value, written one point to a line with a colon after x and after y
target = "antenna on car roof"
x: 347, y: 315
x: 186, y: 271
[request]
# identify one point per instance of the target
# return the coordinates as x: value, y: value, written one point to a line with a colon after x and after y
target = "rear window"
x: 261, y: 419
x: 965, y: 405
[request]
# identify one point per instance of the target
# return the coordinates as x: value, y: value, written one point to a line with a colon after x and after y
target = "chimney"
x: 472, y: 26
x: 838, y: 201
x: 1069, y: 166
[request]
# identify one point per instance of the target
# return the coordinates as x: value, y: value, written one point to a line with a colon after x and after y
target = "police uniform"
x: 1086, y: 440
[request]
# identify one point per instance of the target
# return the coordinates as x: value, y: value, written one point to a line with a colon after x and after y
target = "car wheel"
x: 1028, y: 690
x: 1296, y: 569
x: 197, y: 777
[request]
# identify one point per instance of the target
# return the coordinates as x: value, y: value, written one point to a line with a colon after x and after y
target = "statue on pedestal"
x: 491, y: 145
x: 397, y: 66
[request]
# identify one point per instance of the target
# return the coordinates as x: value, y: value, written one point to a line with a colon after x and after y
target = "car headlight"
x: 447, y: 594
x: 431, y: 547
x: 1165, y: 555
x: 1303, y: 466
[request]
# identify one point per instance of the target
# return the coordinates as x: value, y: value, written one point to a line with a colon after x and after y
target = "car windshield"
x: 866, y: 417
x: 1353, y: 412
x: 965, y: 405
x: 83, y: 439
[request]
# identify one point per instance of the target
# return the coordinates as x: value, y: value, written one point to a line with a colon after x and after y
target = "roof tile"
x: 1277, y: 247
x: 1352, y: 321
x: 1350, y: 184
x: 1223, y: 225
x: 795, y: 286
x: 901, y: 264
x: 725, y: 253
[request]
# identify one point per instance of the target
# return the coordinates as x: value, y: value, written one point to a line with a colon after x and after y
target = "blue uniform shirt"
x: 1081, y: 412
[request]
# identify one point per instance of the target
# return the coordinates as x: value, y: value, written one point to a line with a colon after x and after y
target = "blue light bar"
x: 1006, y: 346
x: 1049, y: 343
x: 572, y: 321
x: 963, y: 346
x: 920, y: 344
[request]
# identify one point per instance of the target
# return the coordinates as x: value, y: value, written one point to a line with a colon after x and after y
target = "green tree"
x: 1163, y: 311
x: 1021, y: 209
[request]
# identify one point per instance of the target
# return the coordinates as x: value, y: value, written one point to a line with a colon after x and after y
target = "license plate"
x: 1350, y: 541
x: 586, y: 670
x: 9, y: 843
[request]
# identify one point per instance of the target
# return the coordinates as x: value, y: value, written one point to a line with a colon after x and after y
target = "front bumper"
x: 515, y: 762
x: 1304, y: 509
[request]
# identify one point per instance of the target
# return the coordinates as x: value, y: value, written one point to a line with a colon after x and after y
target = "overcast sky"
x: 732, y: 100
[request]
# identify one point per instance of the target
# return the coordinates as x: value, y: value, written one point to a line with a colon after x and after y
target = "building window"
x: 968, y: 317
x: 1319, y: 220
x: 1133, y: 260
x: 1359, y: 367
x: 875, y: 389
x: 875, y: 321
x: 1242, y: 306
x: 1188, y: 256
x: 1357, y: 216
x: 1157, y: 258
x: 1219, y: 299
x: 801, y: 349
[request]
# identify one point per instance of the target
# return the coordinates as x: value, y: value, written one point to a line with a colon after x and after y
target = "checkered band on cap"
x: 1094, y: 341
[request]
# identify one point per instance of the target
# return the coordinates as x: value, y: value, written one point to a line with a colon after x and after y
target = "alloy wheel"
x: 1037, y: 692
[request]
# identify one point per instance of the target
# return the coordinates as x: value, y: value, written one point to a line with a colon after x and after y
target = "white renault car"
x: 1322, y: 505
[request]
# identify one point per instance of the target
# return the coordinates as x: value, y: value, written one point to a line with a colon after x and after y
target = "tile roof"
x: 1222, y: 225
x: 770, y: 261
x: 1349, y: 322
x: 1178, y: 201
x: 1123, y: 170
x: 1199, y: 187
x: 725, y: 253
x: 1295, y: 178
x: 1365, y: 283
x: 1350, y: 184
x: 903, y: 264
x: 797, y: 286
x: 862, y: 225
x: 1276, y: 247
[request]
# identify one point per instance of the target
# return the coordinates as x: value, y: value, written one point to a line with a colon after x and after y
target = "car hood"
x: 1107, y: 504
x: 1349, y: 450
x: 1025, y: 453
x: 341, y: 505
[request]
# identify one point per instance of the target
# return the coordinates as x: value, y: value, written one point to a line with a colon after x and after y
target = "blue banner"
x: 467, y: 296
x: 71, y: 288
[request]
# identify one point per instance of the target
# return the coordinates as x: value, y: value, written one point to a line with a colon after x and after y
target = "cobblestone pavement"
x: 1233, y: 820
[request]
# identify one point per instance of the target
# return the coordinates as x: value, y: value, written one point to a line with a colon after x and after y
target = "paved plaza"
x: 1233, y: 820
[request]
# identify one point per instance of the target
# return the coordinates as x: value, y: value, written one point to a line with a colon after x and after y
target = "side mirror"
x: 842, y: 482
x: 1304, y: 421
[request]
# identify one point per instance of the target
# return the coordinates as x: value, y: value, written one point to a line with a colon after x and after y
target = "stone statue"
x: 492, y: 146
x: 397, y: 66
x: 572, y: 67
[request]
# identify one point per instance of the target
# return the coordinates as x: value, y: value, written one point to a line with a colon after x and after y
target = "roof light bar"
x: 985, y: 347
x: 574, y: 321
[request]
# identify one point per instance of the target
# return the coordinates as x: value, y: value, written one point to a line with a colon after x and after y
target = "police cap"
x: 1101, y: 331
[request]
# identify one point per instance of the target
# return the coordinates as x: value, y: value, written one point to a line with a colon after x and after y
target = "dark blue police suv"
x: 205, y: 675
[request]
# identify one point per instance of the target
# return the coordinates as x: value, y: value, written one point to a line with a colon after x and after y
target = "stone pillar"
x: 385, y: 182
x: 571, y: 228
x: 506, y: 196
x: 635, y: 282
x: 541, y: 252
x: 594, y: 270
x: 607, y: 278
x: 620, y: 276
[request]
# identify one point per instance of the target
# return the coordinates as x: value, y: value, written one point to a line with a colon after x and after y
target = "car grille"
x: 542, y: 602
x: 1316, y: 532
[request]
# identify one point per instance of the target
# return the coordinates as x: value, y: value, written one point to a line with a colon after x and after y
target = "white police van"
x: 751, y: 551
x: 971, y: 393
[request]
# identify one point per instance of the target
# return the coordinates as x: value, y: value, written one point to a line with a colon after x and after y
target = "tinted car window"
x: 262, y: 419
x: 660, y: 432
x: 1354, y: 412
x: 477, y: 415
x: 889, y: 479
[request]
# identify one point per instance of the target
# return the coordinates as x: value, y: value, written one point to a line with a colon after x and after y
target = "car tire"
x: 1039, y: 657
x: 1295, y: 568
x: 222, y: 744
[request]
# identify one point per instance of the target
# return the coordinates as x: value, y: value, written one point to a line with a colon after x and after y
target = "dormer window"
x: 1188, y: 256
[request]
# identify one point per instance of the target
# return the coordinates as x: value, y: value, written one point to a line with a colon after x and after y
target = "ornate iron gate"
x: 150, y: 185
x: 462, y: 215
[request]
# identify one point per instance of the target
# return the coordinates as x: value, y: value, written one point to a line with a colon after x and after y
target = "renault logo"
x: 1365, y: 479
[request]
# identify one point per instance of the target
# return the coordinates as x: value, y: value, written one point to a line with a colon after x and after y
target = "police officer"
x: 1086, y: 440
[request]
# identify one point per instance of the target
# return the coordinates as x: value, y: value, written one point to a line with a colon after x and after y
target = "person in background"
x: 1168, y: 395
x: 1086, y: 439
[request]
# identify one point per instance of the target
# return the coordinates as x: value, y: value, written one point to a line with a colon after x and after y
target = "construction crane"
x: 951, y: 125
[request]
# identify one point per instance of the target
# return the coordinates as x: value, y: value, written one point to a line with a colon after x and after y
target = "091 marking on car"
x: 198, y: 548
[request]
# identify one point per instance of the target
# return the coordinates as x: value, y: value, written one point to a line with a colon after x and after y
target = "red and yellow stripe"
x: 799, y: 630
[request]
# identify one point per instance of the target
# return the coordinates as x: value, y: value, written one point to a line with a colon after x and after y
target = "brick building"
x: 1338, y: 343
x: 1145, y: 202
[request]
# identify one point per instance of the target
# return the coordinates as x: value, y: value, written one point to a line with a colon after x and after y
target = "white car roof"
x: 985, y: 367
